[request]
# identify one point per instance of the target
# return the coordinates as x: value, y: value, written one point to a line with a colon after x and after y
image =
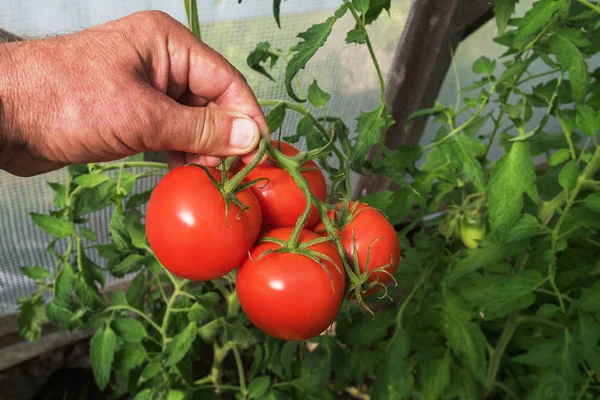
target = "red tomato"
x: 186, y: 227
x: 282, y: 202
x: 371, y: 229
x: 287, y: 295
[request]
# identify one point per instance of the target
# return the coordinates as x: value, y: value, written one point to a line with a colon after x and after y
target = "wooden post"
x: 423, y: 57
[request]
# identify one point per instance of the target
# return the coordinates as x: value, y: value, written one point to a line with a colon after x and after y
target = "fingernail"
x: 243, y: 133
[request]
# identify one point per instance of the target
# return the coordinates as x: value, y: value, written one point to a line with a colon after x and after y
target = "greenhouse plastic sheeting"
x: 232, y: 29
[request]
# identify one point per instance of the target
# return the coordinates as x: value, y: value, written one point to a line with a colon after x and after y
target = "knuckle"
x: 207, y: 130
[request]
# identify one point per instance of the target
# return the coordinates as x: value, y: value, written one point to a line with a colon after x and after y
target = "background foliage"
x: 513, y: 315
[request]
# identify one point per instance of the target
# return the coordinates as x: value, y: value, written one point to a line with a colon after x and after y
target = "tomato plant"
x: 188, y: 221
x: 369, y: 239
x: 280, y: 199
x: 498, y: 287
x: 291, y: 295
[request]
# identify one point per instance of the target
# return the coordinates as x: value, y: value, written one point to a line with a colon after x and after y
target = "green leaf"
x: 424, y: 112
x: 181, y: 344
x: 571, y: 59
x: 536, y: 18
x: 461, y: 149
x: 277, y: 11
x: 138, y: 199
x: 129, y: 329
x: 559, y: 157
x: 258, y: 387
x: 288, y: 352
x: 503, y: 10
x: 313, y: 38
x: 118, y: 231
x: 86, y: 291
x: 484, y: 65
x: 178, y: 394
x: 117, y: 298
x: 275, y: 117
x: 465, y: 339
x: 483, y: 257
x: 588, y: 120
x: 590, y: 298
x: 375, y: 9
x: 88, y: 234
x: 394, y: 380
x: 435, y: 377
x: 90, y: 180
x: 30, y: 319
x: 592, y: 202
x: 53, y: 226
x: 149, y: 371
x: 37, y: 273
x: 135, y: 291
x: 131, y: 263
x: 357, y: 36
x: 368, y: 130
x: 547, y: 311
x: 513, y: 294
x: 259, y: 55
x: 395, y: 205
x: 130, y: 356
x: 362, y: 6
x: 316, y: 96
x: 511, y: 177
x: 102, y: 352
x: 569, y: 174
x: 60, y: 194
x: 197, y: 313
x: 526, y: 227
x: 137, y: 233
x: 145, y: 394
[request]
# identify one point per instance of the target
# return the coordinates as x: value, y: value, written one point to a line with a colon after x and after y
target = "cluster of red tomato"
x: 286, y: 294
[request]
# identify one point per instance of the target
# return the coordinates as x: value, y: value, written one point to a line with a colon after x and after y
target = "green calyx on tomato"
x: 370, y: 243
x: 473, y: 228
x: 291, y: 294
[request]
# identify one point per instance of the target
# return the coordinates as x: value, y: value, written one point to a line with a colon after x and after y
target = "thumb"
x: 210, y: 131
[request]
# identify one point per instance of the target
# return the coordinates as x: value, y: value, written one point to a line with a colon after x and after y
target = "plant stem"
x: 509, y: 329
x: 524, y: 319
x: 409, y: 297
x: 135, y: 164
x: 507, y: 390
x: 240, y: 368
x: 138, y: 312
x: 589, y: 5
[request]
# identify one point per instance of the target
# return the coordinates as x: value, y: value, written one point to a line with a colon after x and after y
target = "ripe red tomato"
x: 287, y: 295
x: 282, y: 202
x: 371, y: 229
x: 186, y: 227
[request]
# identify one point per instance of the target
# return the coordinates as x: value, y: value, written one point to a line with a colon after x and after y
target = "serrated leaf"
x: 513, y: 294
x: 482, y: 257
x: 130, y: 356
x: 511, y: 177
x: 129, y: 329
x: 571, y: 59
x: 88, y: 234
x: 53, y: 226
x: 102, y: 352
x: 375, y: 9
x: 357, y: 36
x: 86, y: 291
x: 316, y: 96
x: 118, y: 231
x: 484, y: 65
x: 30, y: 319
x: 588, y: 120
x: 60, y: 194
x: 135, y: 291
x: 258, y: 387
x: 259, y: 55
x: 503, y: 10
x: 131, y: 263
x: 590, y: 298
x: 37, y: 273
x: 569, y: 174
x: 138, y: 199
x: 181, y: 344
x: 362, y: 6
x: 117, y: 298
x: 526, y: 227
x: 197, y: 313
x: 288, y: 352
x: 394, y: 379
x: 435, y: 377
x: 395, y: 205
x: 461, y: 149
x: 90, y: 180
x: 592, y: 202
x: 313, y: 38
x: 150, y: 371
x: 465, y: 339
x: 368, y: 131
x: 559, y: 157
x: 536, y: 18
x: 422, y: 113
x: 137, y: 233
x: 275, y: 117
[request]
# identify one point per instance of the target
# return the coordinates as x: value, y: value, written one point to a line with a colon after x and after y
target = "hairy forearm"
x: 8, y: 84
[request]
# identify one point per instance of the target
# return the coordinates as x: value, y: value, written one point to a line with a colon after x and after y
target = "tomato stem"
x: 231, y: 185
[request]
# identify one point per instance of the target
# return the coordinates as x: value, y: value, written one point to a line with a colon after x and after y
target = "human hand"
x: 140, y: 83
